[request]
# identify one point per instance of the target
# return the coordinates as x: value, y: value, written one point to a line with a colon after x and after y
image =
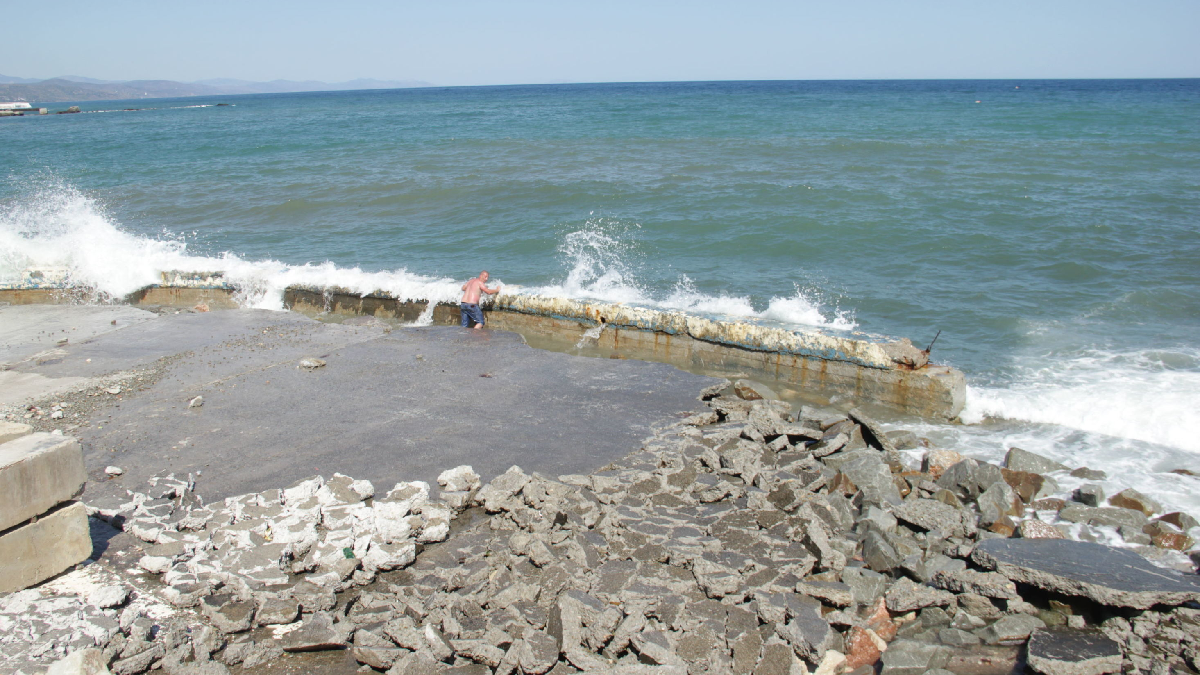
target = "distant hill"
x: 75, y: 88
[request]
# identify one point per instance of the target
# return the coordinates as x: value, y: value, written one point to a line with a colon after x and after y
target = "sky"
x: 477, y: 42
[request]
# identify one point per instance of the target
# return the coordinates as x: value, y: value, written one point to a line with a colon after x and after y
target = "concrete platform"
x: 37, y: 551
x: 38, y: 472
x: 390, y: 405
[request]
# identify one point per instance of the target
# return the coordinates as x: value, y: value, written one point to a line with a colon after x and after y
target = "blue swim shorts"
x: 471, y: 313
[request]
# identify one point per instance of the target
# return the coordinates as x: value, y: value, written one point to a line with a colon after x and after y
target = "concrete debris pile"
x: 748, y: 539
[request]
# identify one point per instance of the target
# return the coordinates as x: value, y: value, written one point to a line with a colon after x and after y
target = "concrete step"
x: 38, y: 472
x: 39, y: 550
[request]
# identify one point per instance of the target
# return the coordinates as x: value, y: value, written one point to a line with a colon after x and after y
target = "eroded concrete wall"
x: 889, y: 373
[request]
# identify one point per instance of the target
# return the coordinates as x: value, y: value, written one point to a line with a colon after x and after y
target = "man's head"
x: 483, y: 276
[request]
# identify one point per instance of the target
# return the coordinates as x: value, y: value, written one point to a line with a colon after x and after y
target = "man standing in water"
x: 469, y: 305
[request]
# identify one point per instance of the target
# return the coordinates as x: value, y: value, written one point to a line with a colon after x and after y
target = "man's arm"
x: 490, y: 291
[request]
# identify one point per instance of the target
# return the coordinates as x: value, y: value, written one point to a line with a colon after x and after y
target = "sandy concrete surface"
x: 389, y: 405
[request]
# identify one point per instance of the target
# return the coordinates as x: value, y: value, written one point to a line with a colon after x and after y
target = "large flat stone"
x: 1109, y: 576
x: 37, y: 551
x: 38, y: 472
x: 1062, y: 651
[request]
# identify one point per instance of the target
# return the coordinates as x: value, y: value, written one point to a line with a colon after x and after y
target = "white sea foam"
x: 1148, y: 395
x: 604, y: 265
x: 59, y: 226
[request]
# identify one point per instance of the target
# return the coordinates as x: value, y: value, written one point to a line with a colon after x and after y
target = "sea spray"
x: 1144, y: 395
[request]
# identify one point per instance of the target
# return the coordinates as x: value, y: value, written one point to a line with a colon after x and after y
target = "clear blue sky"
x: 467, y: 42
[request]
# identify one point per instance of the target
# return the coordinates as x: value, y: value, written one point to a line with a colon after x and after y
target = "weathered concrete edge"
x: 929, y: 391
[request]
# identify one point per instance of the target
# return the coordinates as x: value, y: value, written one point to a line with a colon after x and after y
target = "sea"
x: 1048, y: 230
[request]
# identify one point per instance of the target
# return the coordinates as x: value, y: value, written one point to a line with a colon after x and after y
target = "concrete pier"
x: 888, y: 373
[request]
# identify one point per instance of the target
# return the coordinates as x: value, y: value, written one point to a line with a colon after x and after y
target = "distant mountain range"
x: 76, y: 88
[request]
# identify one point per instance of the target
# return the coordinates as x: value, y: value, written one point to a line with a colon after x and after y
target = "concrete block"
x: 11, y: 431
x: 37, y: 551
x: 38, y: 472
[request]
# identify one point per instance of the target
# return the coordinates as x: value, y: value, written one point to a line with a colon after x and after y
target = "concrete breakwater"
x: 871, y: 370
x: 747, y: 538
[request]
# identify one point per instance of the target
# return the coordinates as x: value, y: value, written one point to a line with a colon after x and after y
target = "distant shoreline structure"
x: 78, y: 89
x: 73, y: 89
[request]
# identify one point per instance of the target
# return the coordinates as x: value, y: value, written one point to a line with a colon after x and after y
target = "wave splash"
x: 58, y: 226
x: 1144, y: 395
x: 605, y: 264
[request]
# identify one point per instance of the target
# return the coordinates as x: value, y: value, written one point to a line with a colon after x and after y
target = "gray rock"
x: 906, y: 596
x: 436, y: 642
x: 872, y: 475
x: 955, y: 637
x: 749, y: 390
x: 930, y: 514
x: 260, y: 654
x: 986, y: 584
x: 417, y: 663
x: 654, y: 645
x: 878, y: 552
x: 138, y: 663
x: 809, y: 635
x: 227, y: 614
x: 317, y: 633
x: 872, y: 431
x: 906, y: 657
x: 1060, y: 651
x: 1132, y: 499
x: 1010, y: 629
x: 495, y: 495
x: 865, y: 585
x: 276, y: 611
x: 1109, y: 576
x: 777, y: 659
x: 880, y: 519
x: 1021, y: 460
x: 1090, y: 494
x: 832, y: 592
x: 997, y: 501
x: 961, y: 478
x: 538, y: 652
x: 1089, y: 474
x: 1103, y: 515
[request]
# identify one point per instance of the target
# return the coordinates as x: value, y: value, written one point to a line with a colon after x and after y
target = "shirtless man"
x: 469, y: 305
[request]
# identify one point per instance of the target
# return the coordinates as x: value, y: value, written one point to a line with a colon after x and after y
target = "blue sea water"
x: 1048, y: 229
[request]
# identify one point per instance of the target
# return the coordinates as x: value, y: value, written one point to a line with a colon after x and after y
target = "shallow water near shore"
x: 1047, y: 228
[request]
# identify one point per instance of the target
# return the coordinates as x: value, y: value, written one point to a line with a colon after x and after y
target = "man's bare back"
x: 469, y: 305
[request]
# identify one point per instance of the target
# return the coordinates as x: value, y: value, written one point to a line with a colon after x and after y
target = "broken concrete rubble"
x: 719, y: 546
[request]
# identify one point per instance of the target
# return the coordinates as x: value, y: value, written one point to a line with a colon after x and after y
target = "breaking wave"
x: 60, y: 227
